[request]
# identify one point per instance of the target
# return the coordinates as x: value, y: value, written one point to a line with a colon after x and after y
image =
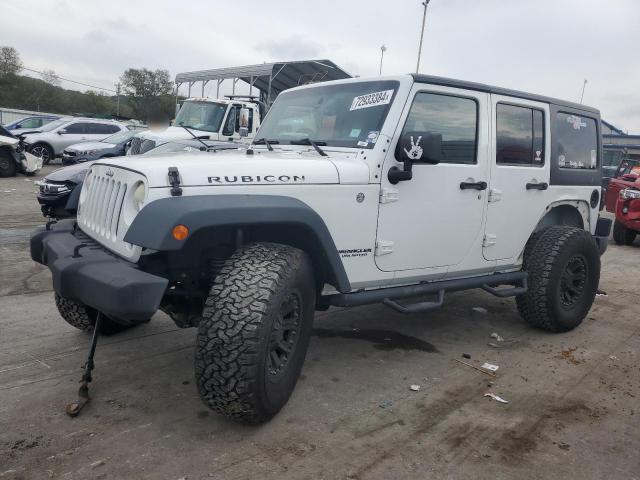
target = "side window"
x: 77, y: 127
x: 31, y: 123
x: 455, y: 118
x: 230, y: 124
x: 519, y: 136
x: 577, y: 141
x: 102, y: 129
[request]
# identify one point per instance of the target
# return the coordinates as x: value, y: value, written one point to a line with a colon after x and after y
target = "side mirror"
x: 62, y: 131
x: 243, y: 122
x: 423, y: 147
x: 18, y: 126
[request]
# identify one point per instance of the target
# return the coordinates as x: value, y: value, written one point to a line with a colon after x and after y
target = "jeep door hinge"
x: 495, y: 195
x: 489, y: 239
x: 388, y: 195
x: 384, y: 247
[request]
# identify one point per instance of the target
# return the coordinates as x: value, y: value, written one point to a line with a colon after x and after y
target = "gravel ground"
x: 573, y: 408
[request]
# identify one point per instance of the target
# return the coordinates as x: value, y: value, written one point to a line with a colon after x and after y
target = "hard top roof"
x: 450, y: 82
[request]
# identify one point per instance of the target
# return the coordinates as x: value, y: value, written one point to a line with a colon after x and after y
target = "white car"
x: 50, y: 140
x: 355, y: 191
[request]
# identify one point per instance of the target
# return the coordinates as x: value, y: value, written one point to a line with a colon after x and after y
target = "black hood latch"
x: 174, y: 181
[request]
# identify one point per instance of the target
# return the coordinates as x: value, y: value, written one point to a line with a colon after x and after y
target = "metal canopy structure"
x: 269, y: 78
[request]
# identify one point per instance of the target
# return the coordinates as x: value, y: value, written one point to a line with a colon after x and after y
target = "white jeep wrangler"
x: 355, y: 191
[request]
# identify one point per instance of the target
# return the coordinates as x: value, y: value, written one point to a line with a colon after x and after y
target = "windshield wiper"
x: 268, y: 143
x: 308, y: 141
x: 194, y: 136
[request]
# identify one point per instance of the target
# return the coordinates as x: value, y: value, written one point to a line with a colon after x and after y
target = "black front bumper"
x: 95, y: 277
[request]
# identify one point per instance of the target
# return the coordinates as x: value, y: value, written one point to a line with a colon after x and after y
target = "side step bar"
x: 388, y: 296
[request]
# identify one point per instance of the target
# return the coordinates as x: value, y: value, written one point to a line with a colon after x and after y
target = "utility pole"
x: 424, y: 19
x: 118, y: 99
x: 383, y: 49
x: 583, y: 87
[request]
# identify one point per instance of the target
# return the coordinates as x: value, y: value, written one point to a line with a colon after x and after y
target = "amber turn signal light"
x: 180, y: 232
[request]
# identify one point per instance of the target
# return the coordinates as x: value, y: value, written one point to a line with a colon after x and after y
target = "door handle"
x: 537, y: 186
x: 473, y: 185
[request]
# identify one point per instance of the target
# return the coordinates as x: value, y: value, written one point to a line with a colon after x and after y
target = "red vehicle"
x: 623, y: 199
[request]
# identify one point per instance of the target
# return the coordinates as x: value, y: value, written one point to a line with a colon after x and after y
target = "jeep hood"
x: 235, y: 167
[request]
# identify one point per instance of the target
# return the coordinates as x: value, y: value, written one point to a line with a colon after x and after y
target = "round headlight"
x: 139, y: 195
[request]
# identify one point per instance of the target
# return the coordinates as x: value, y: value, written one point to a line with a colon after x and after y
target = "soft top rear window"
x: 576, y: 141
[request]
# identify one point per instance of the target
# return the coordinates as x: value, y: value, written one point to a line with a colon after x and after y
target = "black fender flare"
x: 152, y: 227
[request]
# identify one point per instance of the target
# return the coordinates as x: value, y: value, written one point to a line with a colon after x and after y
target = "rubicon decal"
x: 257, y: 179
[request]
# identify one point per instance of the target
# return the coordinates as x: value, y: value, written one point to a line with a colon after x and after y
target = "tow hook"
x: 74, y: 408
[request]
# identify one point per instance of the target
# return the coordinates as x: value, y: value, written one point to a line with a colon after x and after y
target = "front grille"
x: 101, y: 209
x: 106, y: 207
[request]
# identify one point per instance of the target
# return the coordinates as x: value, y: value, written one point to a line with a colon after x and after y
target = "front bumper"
x: 84, y: 271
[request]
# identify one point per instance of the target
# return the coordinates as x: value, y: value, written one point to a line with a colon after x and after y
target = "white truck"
x: 353, y: 192
x: 207, y: 118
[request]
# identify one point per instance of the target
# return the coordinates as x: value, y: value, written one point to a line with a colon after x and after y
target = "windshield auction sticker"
x: 371, y: 100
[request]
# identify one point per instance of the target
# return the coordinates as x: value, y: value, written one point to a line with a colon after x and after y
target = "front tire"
x: 8, y: 165
x: 563, y: 264
x: 622, y: 235
x: 84, y: 318
x: 254, y: 332
x: 44, y: 151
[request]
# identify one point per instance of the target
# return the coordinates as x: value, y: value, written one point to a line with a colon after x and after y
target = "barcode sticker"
x: 371, y: 100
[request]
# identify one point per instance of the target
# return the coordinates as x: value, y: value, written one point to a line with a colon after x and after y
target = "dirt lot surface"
x: 573, y: 411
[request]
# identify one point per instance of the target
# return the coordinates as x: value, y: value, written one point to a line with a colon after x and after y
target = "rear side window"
x: 102, y: 128
x: 577, y: 141
x: 455, y: 118
x: 519, y: 136
x: 76, y: 128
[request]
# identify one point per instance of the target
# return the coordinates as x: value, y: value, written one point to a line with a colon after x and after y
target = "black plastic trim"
x: 380, y: 294
x: 480, y: 87
x: 152, y: 226
x: 83, y: 271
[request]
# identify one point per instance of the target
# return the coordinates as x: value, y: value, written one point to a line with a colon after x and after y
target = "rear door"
x: 74, y: 132
x: 518, y: 189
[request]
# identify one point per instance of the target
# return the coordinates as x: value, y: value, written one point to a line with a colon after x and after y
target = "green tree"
x: 10, y: 63
x: 148, y: 92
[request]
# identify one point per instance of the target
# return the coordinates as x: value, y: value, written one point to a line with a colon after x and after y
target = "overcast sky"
x: 541, y: 46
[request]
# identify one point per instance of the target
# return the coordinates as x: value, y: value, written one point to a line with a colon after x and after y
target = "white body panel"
x: 426, y: 228
x: 509, y: 194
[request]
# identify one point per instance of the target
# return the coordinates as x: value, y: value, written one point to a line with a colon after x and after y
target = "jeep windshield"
x: 342, y: 115
x: 205, y: 116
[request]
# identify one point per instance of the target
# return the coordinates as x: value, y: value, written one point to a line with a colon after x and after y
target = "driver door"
x: 436, y: 218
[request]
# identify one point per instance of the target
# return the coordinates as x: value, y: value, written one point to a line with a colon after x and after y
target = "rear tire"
x: 622, y: 235
x: 42, y: 150
x: 8, y: 167
x: 254, y: 332
x: 563, y: 264
x: 84, y: 318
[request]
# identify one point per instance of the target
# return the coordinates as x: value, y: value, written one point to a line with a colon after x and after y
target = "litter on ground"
x: 497, y: 337
x: 496, y: 397
x: 490, y: 366
x: 479, y: 310
x: 415, y: 388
